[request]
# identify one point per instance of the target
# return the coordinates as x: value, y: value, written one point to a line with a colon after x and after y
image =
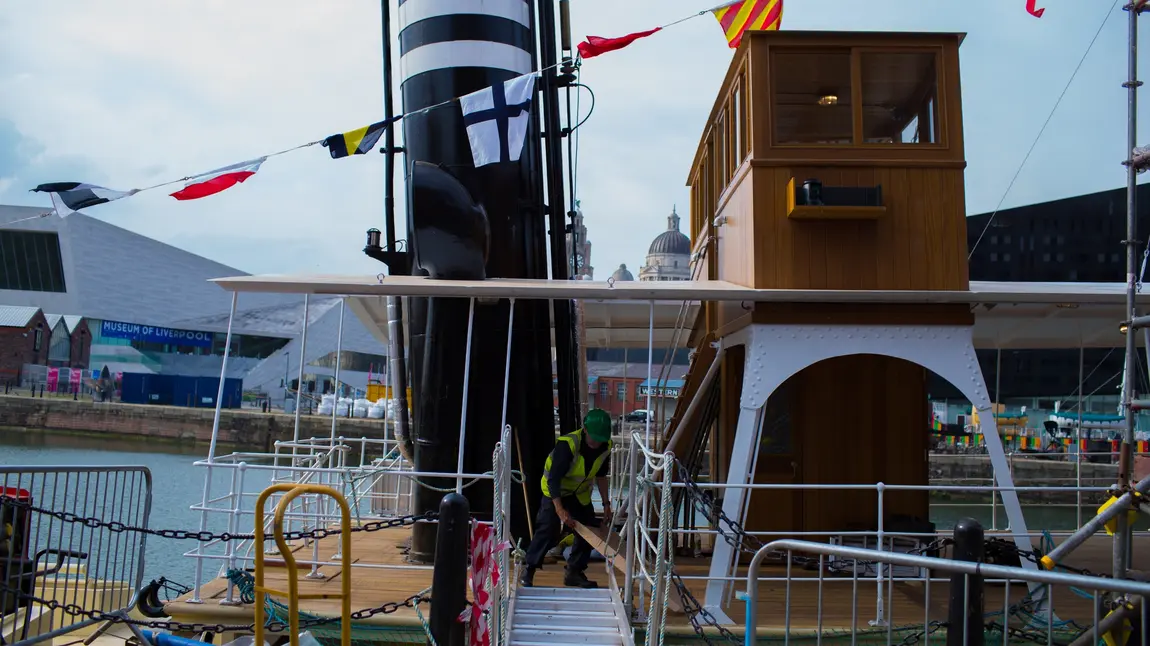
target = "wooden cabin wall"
x: 857, y: 419
x: 919, y: 243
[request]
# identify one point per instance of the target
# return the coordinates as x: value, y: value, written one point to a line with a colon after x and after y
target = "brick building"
x: 71, y: 341
x: 24, y: 338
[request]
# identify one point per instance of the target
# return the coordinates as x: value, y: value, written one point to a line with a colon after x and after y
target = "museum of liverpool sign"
x: 136, y: 332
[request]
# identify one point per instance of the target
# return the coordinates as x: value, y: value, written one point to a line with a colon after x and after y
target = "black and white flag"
x: 496, y: 119
x: 69, y: 197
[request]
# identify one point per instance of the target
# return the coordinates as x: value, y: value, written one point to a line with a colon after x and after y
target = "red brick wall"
x: 17, y: 347
x: 611, y: 403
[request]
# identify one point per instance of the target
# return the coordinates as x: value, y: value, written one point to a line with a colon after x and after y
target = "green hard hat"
x: 597, y: 423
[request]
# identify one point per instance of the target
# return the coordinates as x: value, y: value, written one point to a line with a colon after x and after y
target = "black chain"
x: 694, y: 610
x: 931, y: 629
x: 117, y: 527
x: 738, y: 537
x: 996, y: 547
x: 272, y: 626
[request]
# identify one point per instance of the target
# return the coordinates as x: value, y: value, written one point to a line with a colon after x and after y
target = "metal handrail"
x: 929, y: 563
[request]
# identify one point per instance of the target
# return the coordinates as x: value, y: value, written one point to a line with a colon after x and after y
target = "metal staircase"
x: 545, y: 616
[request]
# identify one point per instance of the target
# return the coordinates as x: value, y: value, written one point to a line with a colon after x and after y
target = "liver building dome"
x: 622, y: 274
x: 669, y: 257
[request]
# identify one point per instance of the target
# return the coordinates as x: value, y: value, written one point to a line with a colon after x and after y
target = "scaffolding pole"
x: 1125, y: 457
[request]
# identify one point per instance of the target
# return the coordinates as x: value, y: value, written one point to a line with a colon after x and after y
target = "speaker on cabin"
x: 812, y: 192
x: 450, y: 230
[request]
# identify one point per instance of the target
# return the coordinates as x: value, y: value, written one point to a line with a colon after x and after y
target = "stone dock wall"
x: 248, y: 429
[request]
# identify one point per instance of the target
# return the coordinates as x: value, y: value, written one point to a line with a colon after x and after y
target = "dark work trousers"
x: 548, y: 530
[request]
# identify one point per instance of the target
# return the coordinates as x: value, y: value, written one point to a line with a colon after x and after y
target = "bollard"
x: 41, y: 391
x: 966, y: 595
x: 449, y: 578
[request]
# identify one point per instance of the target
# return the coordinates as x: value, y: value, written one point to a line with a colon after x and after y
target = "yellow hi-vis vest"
x: 577, y: 480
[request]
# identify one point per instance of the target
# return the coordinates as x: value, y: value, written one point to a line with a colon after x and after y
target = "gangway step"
x: 567, y: 616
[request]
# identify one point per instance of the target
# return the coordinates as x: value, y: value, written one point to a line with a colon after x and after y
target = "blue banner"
x: 136, y: 332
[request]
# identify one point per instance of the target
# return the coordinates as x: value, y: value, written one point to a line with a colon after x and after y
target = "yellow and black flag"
x: 358, y: 141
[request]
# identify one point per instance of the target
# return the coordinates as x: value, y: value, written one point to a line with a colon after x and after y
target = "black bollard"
x: 449, y: 578
x: 966, y: 593
x: 41, y: 391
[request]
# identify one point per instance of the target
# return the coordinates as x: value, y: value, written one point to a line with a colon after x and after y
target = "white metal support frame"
x: 776, y: 352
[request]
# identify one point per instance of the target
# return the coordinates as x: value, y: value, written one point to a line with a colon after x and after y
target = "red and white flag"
x: 218, y: 180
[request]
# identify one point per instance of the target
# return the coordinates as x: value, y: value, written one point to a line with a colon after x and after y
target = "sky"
x: 131, y: 93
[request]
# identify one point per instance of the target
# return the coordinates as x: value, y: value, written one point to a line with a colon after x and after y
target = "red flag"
x: 1031, y: 6
x: 595, y: 45
x: 218, y: 180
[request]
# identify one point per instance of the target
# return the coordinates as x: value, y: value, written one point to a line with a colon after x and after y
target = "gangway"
x: 542, y: 616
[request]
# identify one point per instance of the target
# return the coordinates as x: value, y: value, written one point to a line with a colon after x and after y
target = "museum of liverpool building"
x: 68, y: 311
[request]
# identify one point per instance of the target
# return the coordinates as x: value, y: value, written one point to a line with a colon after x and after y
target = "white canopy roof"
x: 1008, y: 315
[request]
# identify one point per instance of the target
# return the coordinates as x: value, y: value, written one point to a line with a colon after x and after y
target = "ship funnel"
x: 451, y: 233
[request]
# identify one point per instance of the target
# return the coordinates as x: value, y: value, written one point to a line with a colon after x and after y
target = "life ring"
x: 148, y: 601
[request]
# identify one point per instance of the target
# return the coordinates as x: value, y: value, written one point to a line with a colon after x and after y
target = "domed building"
x: 669, y: 257
x: 622, y: 274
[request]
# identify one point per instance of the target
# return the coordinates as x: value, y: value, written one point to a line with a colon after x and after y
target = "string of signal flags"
x: 495, y: 117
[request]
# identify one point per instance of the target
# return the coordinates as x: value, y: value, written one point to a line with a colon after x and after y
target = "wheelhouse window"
x: 855, y: 97
x: 899, y: 97
x: 812, y: 96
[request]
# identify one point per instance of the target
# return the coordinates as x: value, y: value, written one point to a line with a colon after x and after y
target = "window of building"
x: 604, y: 388
x: 993, y: 257
x: 30, y: 261
x: 740, y: 128
x: 812, y: 97
x: 38, y: 340
x: 899, y: 97
x: 621, y: 391
x: 1005, y: 257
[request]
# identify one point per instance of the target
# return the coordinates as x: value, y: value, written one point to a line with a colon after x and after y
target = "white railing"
x: 650, y: 537
x: 965, y: 574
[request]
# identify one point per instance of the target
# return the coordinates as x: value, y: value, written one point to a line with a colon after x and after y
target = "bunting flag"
x: 496, y: 119
x: 218, y: 180
x: 358, y: 141
x: 595, y: 45
x: 742, y: 15
x: 1032, y: 8
x: 69, y: 197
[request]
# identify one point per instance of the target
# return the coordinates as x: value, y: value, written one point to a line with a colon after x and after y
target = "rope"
x: 662, y: 560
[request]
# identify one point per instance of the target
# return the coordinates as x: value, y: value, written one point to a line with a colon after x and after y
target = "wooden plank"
x: 609, y: 544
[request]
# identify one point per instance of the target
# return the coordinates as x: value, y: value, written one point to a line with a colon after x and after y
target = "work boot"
x: 578, y: 580
x: 528, y: 578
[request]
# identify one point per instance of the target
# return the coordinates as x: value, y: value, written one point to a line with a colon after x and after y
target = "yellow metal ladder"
x: 292, y: 594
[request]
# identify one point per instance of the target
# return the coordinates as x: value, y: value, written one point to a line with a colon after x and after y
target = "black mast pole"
x: 389, y: 134
x: 565, y: 346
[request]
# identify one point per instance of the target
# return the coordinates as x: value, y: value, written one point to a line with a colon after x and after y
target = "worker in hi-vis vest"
x: 578, y: 460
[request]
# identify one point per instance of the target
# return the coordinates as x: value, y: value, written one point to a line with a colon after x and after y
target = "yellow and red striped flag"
x: 741, y: 15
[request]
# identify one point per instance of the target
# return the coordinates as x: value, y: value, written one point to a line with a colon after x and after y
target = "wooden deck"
x: 839, y: 608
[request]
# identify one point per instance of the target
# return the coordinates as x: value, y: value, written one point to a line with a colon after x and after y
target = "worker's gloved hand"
x: 607, y: 513
x: 564, y: 517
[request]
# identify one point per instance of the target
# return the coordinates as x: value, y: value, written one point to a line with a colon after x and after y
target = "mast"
x: 447, y: 50
x: 1125, y: 456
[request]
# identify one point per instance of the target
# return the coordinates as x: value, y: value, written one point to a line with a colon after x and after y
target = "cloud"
x: 131, y: 93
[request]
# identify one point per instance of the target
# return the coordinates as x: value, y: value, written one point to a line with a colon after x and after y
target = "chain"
x: 996, y: 547
x: 931, y: 629
x: 117, y: 527
x: 694, y: 610
x: 272, y: 626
